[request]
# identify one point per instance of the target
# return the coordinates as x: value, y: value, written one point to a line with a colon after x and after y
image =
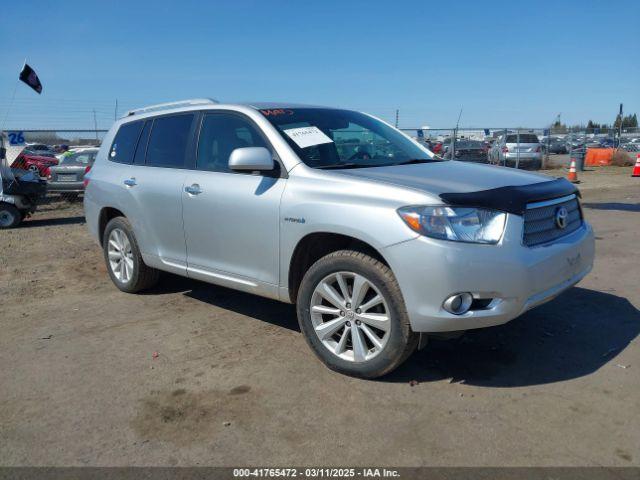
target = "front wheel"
x: 352, y: 314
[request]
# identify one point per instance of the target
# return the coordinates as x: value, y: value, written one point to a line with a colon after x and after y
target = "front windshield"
x: 331, y: 138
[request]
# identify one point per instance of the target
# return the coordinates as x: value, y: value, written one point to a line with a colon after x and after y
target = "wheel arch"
x: 316, y: 245
x: 106, y: 214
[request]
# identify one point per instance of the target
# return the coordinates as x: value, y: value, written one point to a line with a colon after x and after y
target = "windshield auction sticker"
x: 307, y: 136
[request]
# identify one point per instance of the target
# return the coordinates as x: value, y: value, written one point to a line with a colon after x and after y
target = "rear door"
x: 152, y: 188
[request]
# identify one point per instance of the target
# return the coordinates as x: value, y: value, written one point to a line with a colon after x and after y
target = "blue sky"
x: 507, y: 63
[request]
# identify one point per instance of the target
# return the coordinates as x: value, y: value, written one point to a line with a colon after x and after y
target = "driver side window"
x: 220, y: 134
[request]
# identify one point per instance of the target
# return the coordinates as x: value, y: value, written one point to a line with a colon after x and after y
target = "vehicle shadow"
x: 570, y: 337
x: 50, y: 222
x: 623, y: 207
x: 263, y: 309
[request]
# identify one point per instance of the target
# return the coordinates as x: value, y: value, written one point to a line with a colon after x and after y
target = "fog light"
x: 458, y: 303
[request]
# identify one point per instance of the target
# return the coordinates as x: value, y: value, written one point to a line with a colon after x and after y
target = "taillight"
x: 85, y: 180
x: 505, y: 149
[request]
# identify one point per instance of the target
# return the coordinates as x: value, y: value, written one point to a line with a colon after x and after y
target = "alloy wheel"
x: 120, y: 255
x: 350, y: 316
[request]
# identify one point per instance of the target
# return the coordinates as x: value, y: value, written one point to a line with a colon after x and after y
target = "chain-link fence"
x: 525, y: 148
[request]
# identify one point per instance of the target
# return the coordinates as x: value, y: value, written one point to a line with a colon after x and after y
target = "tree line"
x: 628, y: 121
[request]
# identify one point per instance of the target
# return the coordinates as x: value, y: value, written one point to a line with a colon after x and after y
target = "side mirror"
x: 251, y: 159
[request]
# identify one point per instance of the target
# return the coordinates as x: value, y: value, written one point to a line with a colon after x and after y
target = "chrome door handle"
x: 193, y: 189
x: 130, y: 182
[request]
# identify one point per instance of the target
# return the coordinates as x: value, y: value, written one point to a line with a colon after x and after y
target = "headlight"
x: 460, y: 224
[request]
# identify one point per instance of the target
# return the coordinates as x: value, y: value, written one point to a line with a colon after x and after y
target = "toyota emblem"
x: 561, y: 217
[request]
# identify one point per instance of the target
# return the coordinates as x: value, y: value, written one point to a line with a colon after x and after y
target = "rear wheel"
x: 124, y: 260
x: 352, y: 314
x: 9, y: 216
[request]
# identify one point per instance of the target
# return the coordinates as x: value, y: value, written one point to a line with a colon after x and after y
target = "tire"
x: 396, y: 340
x: 133, y: 275
x: 9, y: 216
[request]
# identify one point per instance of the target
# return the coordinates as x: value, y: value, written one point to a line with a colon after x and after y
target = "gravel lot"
x: 235, y: 384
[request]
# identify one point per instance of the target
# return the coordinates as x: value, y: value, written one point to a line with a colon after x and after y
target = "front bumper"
x: 517, y: 277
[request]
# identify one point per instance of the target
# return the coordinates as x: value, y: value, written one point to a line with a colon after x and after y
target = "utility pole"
x: 455, y: 134
x: 620, y: 130
x: 95, y: 123
x: 397, y: 116
x: 115, y: 112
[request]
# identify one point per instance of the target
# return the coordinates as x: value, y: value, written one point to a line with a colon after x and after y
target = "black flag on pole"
x: 28, y: 76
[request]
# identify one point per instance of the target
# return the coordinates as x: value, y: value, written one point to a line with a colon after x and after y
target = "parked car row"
x: 525, y: 149
x: 557, y: 144
x: 64, y: 173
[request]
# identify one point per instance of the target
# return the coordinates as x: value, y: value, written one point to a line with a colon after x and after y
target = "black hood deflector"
x: 512, y: 199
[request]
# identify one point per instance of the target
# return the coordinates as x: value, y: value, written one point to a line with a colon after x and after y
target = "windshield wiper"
x: 336, y: 166
x: 417, y: 160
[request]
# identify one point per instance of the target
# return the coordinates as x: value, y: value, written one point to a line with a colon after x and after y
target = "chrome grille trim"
x: 554, y: 201
x: 540, y: 224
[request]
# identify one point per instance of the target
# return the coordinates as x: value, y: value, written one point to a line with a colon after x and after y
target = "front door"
x: 231, y: 219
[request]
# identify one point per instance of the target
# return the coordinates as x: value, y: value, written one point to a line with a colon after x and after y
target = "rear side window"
x: 125, y: 142
x: 169, y: 140
x: 141, y: 149
x: 524, y: 138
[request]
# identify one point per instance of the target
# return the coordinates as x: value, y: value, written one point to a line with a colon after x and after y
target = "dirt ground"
x: 234, y: 383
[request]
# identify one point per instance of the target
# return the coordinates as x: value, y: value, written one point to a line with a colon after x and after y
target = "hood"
x: 468, y: 185
x: 447, y: 176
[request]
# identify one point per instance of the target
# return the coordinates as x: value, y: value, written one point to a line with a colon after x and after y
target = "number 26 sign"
x: 15, y: 138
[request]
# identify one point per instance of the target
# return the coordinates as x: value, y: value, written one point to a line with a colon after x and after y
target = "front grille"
x: 540, y: 221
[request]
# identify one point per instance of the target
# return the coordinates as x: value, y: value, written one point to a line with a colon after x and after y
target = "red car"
x: 437, y: 148
x: 34, y: 163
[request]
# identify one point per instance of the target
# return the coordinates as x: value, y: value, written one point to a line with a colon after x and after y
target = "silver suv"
x: 522, y: 150
x: 377, y: 241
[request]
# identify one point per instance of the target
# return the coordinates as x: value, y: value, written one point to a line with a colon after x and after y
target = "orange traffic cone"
x: 572, y: 176
x: 636, y: 169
